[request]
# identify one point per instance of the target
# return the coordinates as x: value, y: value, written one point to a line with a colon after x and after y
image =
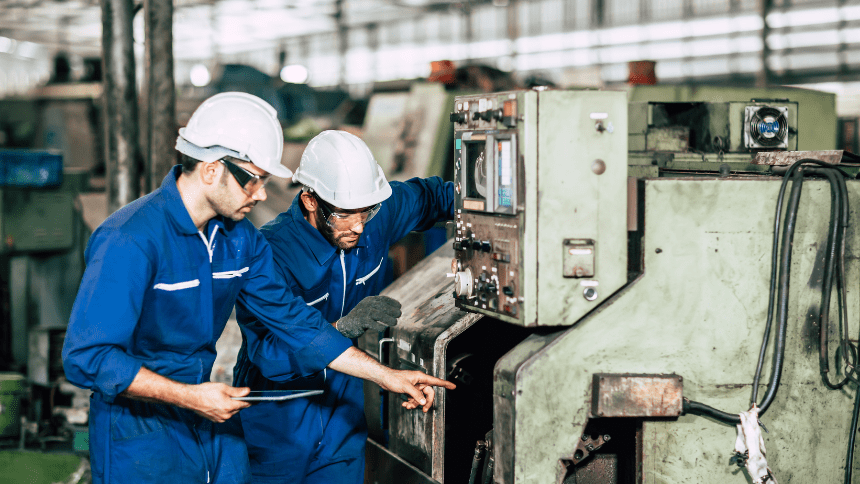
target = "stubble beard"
x: 327, y: 232
x: 223, y: 202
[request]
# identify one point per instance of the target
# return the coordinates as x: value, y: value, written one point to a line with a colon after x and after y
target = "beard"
x: 327, y: 232
x: 224, y: 204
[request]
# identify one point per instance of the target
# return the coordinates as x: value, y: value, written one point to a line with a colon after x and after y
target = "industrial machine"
x: 595, y: 322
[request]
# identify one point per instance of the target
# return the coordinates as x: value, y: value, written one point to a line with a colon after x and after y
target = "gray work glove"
x: 373, y: 312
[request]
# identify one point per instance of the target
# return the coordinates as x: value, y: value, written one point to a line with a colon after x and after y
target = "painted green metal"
x: 697, y: 311
x: 816, y: 110
x: 573, y: 155
x: 12, y: 389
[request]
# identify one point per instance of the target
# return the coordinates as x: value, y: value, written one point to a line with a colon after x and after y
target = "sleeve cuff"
x: 117, y: 372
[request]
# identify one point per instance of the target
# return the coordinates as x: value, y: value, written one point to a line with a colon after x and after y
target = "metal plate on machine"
x: 578, y: 258
x: 778, y: 158
x: 629, y: 395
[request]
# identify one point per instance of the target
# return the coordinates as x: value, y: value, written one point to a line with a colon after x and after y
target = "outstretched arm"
x: 418, y: 385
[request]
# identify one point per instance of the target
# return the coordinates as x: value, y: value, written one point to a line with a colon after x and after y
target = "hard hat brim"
x: 214, y: 153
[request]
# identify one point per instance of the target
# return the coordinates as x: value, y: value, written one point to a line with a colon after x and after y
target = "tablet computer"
x: 276, y: 395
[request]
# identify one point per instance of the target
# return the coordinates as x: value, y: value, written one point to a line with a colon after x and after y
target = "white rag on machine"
x: 751, y: 445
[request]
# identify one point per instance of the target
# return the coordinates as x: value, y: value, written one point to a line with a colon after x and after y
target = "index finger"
x: 436, y: 382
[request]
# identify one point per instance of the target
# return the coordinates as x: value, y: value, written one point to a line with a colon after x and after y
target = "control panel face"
x: 487, y: 247
x: 487, y: 266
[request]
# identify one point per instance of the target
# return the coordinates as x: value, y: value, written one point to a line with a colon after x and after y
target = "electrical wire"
x: 834, y: 267
x: 780, y: 280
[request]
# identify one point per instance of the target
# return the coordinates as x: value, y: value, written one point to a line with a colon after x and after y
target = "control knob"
x: 463, y: 283
x: 459, y: 118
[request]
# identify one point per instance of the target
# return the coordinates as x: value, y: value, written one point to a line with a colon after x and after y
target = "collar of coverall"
x: 176, y: 210
x: 316, y: 243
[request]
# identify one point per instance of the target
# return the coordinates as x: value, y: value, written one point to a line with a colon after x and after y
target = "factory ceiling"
x: 202, y: 28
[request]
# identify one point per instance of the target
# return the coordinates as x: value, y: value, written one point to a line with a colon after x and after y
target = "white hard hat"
x: 235, y: 124
x: 340, y: 168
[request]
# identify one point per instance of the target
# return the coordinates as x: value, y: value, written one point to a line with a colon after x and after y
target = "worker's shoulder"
x: 141, y: 218
x: 282, y: 227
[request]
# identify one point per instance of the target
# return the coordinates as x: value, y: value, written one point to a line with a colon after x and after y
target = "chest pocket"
x: 175, y: 323
x: 318, y: 300
x: 319, y: 296
x: 228, y: 277
x: 363, y: 279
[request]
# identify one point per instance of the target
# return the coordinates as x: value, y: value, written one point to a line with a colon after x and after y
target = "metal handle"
x: 382, y: 341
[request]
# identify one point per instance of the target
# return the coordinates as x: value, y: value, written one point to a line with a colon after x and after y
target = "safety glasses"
x: 247, y: 180
x: 343, y: 221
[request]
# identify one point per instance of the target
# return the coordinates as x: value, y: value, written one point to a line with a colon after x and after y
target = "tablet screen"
x: 276, y: 395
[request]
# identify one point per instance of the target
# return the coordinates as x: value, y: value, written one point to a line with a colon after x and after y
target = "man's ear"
x: 210, y: 173
x: 309, y: 202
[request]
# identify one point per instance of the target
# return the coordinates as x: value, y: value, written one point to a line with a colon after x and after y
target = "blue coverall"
x: 322, y: 439
x: 157, y: 293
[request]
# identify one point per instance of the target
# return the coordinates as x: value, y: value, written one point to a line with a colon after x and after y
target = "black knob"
x: 476, y: 244
x: 497, y: 114
x: 485, y: 246
x: 458, y: 118
x: 491, y: 288
x: 508, y: 290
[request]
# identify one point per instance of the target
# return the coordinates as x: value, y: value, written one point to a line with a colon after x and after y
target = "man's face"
x: 234, y: 201
x: 342, y: 232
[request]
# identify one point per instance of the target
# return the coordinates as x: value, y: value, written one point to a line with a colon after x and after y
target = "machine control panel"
x: 541, y: 182
x: 486, y: 267
x: 485, y: 112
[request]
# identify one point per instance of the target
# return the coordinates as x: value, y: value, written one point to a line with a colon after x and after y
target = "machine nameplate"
x: 629, y: 395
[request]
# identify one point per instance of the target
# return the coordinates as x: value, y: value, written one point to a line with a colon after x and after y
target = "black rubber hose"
x: 841, y: 280
x: 852, y: 433
x: 774, y: 263
x: 698, y: 408
x: 833, y: 239
x: 480, y: 447
x: 784, y: 286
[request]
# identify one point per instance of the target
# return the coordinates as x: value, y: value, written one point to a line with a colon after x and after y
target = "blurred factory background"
x: 85, y: 128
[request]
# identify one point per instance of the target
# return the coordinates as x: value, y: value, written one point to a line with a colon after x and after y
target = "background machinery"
x: 596, y: 315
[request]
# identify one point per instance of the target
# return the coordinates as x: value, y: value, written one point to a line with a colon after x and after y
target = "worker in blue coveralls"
x: 331, y: 246
x: 162, y: 276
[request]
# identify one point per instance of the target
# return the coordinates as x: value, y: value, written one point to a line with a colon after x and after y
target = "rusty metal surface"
x: 584, y: 448
x: 602, y: 469
x: 628, y: 395
x: 430, y: 321
x: 383, y: 467
x: 778, y: 158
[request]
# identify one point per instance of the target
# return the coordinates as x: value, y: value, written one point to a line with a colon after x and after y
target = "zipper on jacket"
x: 343, y: 269
x: 209, y: 243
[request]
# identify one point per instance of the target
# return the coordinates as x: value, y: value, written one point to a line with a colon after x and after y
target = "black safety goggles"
x: 247, y: 180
